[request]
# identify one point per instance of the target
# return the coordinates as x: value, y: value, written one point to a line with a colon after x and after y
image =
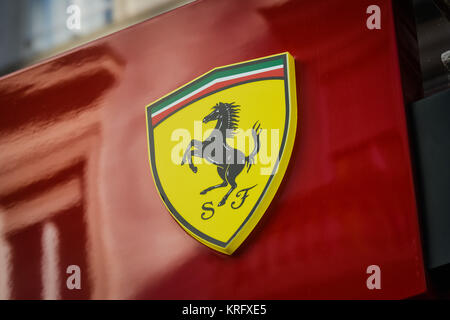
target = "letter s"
x: 205, y: 215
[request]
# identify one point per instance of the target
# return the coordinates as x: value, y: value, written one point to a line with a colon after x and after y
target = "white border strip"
x: 218, y: 80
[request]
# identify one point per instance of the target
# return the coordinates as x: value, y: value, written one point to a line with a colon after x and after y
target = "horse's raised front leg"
x: 188, y: 154
x: 196, y: 153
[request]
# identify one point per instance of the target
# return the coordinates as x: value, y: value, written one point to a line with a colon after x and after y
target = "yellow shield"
x: 219, y: 147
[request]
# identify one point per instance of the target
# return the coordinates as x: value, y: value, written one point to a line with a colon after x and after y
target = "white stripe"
x: 218, y: 80
x: 50, y: 262
x: 5, y: 264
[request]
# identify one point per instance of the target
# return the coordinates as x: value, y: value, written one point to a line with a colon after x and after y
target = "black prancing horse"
x: 230, y: 161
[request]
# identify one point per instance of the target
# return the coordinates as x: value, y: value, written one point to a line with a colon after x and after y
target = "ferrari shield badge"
x: 220, y: 145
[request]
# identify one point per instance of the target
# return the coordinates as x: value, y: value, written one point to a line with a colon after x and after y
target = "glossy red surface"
x: 76, y: 187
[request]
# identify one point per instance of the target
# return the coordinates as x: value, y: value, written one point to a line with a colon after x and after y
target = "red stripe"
x: 271, y: 73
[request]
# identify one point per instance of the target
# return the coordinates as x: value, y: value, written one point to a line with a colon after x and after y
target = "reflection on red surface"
x: 49, y: 136
x: 73, y: 160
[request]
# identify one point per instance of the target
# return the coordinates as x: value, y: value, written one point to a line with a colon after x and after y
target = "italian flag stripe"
x: 215, y: 81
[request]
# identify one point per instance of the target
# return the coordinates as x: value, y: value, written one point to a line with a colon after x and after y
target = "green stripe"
x: 216, y: 74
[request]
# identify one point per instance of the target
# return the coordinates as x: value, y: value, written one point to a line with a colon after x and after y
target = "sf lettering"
x: 241, y: 195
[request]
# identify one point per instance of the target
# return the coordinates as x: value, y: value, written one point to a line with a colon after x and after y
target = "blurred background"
x: 32, y: 30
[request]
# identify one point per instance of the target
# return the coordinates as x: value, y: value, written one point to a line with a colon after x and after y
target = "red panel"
x: 26, y: 259
x: 347, y: 200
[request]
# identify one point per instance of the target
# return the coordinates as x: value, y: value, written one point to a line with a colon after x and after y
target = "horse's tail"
x: 249, y: 160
